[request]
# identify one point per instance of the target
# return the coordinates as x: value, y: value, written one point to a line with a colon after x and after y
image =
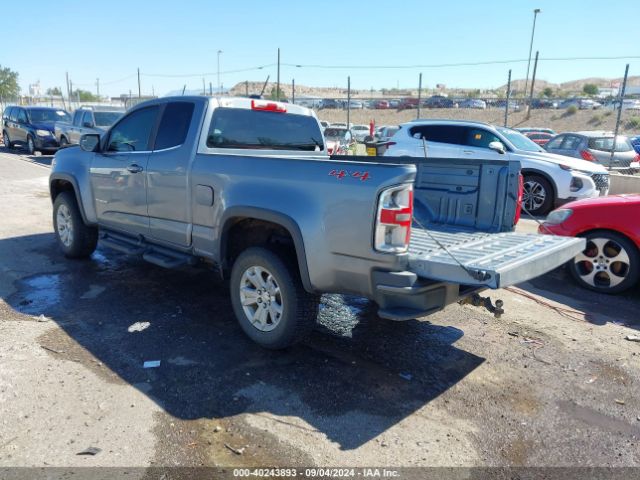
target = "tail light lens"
x: 393, y: 221
x: 587, y: 155
x: 516, y: 217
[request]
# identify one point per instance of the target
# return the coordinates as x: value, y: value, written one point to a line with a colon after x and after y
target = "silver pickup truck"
x: 86, y: 120
x: 246, y: 187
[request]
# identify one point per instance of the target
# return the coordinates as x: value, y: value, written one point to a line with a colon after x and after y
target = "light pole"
x: 533, y: 31
x: 219, y: 52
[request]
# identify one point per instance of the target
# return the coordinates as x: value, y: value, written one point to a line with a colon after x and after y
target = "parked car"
x: 408, y: 103
x: 249, y: 189
x: 473, y: 103
x: 580, y: 103
x: 32, y: 127
x: 339, y: 140
x: 354, y: 104
x: 635, y: 141
x: 360, y: 132
x: 539, y: 138
x: 329, y: 103
x: 386, y: 132
x: 611, y: 261
x: 86, y: 120
x: 394, y: 103
x: 627, y: 104
x: 513, y: 105
x: 596, y: 147
x: 535, y: 129
x: 548, y: 179
x: 439, y: 101
x: 380, y: 104
x: 538, y: 103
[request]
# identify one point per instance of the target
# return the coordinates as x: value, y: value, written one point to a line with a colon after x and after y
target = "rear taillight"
x: 587, y: 155
x: 516, y: 217
x: 267, y: 106
x: 393, y: 221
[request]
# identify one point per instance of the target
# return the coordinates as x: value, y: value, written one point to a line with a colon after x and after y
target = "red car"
x: 611, y: 225
x: 541, y: 138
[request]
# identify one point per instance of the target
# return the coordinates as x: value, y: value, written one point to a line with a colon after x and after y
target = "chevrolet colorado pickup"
x: 246, y: 186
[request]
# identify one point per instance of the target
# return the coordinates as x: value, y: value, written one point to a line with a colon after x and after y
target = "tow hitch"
x: 479, y: 301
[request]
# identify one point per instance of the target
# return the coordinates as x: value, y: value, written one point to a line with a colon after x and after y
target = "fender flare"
x: 278, y: 218
x: 76, y: 191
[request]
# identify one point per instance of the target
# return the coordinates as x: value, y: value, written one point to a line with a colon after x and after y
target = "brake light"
x: 393, y: 221
x: 516, y: 217
x: 267, y: 106
x: 587, y: 155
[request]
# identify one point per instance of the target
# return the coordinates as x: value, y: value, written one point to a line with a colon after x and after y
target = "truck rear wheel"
x: 76, y: 239
x: 268, y: 299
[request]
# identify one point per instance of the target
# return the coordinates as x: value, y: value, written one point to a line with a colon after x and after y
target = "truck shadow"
x: 353, y: 379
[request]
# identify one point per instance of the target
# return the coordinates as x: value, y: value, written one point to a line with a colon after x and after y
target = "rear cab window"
x: 257, y: 128
x: 174, y: 125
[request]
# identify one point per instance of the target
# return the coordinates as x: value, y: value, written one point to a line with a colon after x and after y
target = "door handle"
x: 133, y: 168
x: 468, y: 152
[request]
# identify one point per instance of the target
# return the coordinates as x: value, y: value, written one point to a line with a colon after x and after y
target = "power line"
x: 222, y: 72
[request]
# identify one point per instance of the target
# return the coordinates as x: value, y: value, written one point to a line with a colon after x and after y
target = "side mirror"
x: 497, y: 147
x: 90, y: 142
x: 87, y: 124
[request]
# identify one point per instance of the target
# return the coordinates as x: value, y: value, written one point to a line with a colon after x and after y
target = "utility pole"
x: 98, y: 88
x: 246, y: 88
x: 506, y: 107
x: 70, y: 92
x: 68, y: 88
x: 419, y: 94
x: 139, y: 90
x: 293, y: 90
x: 218, y: 71
x: 533, y: 81
x: 278, y: 81
x: 348, y: 101
x: 210, y: 89
x: 204, y: 87
x: 533, y: 31
x: 615, y: 135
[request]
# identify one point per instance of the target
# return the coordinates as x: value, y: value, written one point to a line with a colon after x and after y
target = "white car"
x: 360, y: 132
x: 549, y: 179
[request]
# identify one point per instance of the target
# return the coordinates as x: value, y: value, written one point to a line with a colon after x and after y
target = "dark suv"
x: 33, y: 127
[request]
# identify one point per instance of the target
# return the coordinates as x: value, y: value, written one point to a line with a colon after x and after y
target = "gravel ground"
x: 551, y: 383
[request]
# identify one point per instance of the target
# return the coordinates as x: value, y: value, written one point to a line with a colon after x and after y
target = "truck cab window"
x: 133, y: 132
x: 174, y: 125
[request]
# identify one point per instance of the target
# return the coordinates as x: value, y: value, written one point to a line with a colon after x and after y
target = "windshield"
x: 106, y: 119
x: 360, y: 127
x: 338, y: 133
x: 519, y: 141
x: 605, y: 144
x: 46, y: 115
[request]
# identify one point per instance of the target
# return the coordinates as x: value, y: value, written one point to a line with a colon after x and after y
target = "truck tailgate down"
x: 494, y: 260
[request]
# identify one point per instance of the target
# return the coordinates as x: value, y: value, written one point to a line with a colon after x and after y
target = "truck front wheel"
x: 76, y: 239
x: 268, y: 299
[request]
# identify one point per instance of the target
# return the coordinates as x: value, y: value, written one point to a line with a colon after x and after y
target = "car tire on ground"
x: 538, y: 197
x: 268, y: 298
x: 76, y: 239
x: 31, y: 146
x: 7, y: 141
x: 609, y: 264
x: 63, y: 141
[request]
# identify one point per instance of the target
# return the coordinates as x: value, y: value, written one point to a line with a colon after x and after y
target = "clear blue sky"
x: 110, y: 39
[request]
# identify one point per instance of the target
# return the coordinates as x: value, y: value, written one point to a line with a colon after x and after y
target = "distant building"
x: 604, y: 92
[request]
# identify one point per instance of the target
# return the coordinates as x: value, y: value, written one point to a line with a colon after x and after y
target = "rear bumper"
x: 404, y: 296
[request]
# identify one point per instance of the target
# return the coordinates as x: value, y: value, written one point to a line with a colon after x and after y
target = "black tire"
x: 594, y: 256
x: 299, y: 308
x: 31, y: 145
x: 7, y: 141
x: 82, y: 239
x: 63, y: 141
x: 537, y: 184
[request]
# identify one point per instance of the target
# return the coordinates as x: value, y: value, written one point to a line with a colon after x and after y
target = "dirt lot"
x: 551, y: 383
x: 558, y: 120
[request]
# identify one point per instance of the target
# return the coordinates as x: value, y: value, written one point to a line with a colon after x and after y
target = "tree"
x: 590, y: 89
x: 55, y: 91
x: 84, y: 96
x: 273, y: 95
x: 548, y: 92
x: 9, y: 87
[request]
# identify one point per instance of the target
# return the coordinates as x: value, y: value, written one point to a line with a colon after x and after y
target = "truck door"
x: 118, y: 173
x: 85, y: 126
x: 168, y: 186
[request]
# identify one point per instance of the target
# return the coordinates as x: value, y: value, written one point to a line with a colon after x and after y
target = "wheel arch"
x: 584, y: 233
x: 546, y: 176
x: 234, y: 218
x: 59, y: 183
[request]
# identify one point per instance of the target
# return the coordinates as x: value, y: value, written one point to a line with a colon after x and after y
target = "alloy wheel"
x: 604, y: 263
x: 534, y: 195
x: 64, y: 223
x: 261, y: 298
